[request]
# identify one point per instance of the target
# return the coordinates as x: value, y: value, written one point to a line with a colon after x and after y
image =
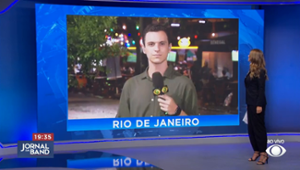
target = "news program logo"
x: 35, y: 149
x: 276, y: 150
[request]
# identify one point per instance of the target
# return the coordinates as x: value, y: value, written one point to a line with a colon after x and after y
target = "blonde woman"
x: 256, y: 104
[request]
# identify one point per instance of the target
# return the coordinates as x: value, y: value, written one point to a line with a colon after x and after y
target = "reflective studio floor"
x: 191, y: 157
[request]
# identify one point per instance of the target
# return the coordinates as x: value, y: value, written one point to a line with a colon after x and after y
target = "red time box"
x: 43, y: 136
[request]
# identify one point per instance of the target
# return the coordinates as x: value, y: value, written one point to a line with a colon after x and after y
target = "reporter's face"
x: 156, y: 47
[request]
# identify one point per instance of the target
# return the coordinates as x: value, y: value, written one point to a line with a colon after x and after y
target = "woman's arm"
x: 261, y: 88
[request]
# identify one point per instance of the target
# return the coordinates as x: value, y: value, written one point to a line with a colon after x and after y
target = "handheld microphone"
x: 158, y: 83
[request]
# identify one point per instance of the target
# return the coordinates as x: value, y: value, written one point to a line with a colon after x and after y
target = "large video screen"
x: 85, y: 56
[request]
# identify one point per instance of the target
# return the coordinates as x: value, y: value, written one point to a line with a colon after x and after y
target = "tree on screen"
x: 87, y: 37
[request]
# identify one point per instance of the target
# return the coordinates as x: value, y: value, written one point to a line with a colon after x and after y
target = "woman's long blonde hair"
x: 257, y: 63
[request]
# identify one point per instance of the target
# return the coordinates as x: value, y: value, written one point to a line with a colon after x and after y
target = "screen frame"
x: 223, y: 13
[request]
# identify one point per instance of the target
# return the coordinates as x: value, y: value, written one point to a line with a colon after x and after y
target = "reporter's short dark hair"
x: 155, y: 28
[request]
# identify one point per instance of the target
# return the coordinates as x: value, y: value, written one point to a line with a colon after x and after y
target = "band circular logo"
x: 164, y: 89
x: 156, y: 91
x: 276, y: 150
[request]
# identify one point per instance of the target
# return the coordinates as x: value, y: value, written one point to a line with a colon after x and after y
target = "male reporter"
x: 137, y: 98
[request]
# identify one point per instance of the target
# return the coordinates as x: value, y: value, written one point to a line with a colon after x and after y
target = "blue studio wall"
x: 18, y: 83
x: 282, y: 53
